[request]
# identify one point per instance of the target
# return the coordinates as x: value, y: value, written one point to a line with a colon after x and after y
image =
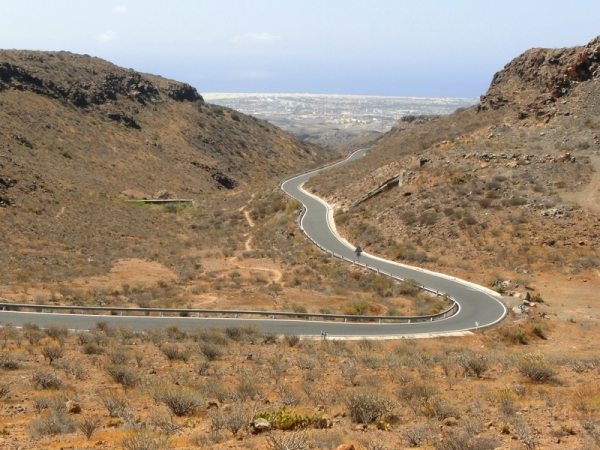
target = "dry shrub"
x: 366, y: 406
x: 92, y: 348
x: 118, y: 355
x: 32, y: 333
x: 473, y: 364
x: 459, y: 440
x: 7, y: 362
x: 536, y: 369
x: 88, y: 426
x: 115, y: 403
x: 292, y: 339
x: 73, y: 368
x: 52, y: 423
x: 46, y: 380
x: 126, y: 376
x: 415, y: 436
x: 57, y: 332
x: 211, y: 351
x: 56, y: 402
x: 175, y: 352
x: 4, y: 390
x: 182, y: 401
x: 288, y: 441
x: 145, y: 440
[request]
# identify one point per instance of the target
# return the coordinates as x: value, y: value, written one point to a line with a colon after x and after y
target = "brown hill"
x: 508, y: 185
x: 79, y: 134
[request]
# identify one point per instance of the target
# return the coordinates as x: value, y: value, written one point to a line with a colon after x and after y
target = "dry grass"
x: 431, y: 380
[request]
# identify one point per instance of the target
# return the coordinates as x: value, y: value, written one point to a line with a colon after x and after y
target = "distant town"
x: 327, y: 119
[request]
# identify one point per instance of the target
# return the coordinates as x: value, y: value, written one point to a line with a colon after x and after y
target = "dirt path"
x: 589, y: 197
x: 246, y: 213
x: 247, y: 245
x: 277, y: 275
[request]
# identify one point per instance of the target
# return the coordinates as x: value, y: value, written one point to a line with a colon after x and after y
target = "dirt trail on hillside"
x: 589, y: 197
x: 243, y: 209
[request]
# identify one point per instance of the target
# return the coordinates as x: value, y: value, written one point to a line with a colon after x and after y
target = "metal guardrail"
x: 222, y: 313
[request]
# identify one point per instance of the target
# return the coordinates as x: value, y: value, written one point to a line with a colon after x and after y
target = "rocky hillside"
x: 509, y: 185
x: 79, y: 135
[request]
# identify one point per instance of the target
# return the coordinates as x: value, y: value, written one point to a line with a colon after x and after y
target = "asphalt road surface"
x: 478, y: 307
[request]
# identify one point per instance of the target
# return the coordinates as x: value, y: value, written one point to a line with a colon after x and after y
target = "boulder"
x: 163, y: 195
x: 261, y: 425
x: 213, y: 404
x: 450, y: 422
x: 73, y: 407
x: 525, y: 296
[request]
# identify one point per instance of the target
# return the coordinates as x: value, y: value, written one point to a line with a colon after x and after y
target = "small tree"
x: 52, y: 353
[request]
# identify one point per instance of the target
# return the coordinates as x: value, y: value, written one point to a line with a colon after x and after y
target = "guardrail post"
x: 160, y: 314
x: 120, y: 313
x: 310, y: 318
x: 43, y: 310
x: 444, y: 315
x: 273, y: 316
x: 379, y: 320
x: 408, y: 320
x: 236, y: 316
x: 4, y: 308
x: 431, y: 319
x: 345, y: 319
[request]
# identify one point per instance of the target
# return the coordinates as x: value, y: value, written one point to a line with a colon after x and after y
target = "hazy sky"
x: 445, y: 48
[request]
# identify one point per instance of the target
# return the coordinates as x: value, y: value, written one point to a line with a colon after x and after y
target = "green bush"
x: 520, y: 337
x: 289, y: 420
x: 458, y: 179
x: 537, y: 329
x: 358, y: 307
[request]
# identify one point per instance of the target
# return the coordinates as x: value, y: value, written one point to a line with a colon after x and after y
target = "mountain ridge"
x: 79, y: 135
x: 509, y: 185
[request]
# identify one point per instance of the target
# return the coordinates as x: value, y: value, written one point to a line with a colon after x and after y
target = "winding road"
x: 478, y: 307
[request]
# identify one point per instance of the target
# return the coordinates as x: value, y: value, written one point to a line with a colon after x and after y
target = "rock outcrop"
x: 83, y: 80
x: 535, y: 80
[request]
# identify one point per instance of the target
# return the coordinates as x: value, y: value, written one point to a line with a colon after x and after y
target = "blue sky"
x: 443, y: 48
